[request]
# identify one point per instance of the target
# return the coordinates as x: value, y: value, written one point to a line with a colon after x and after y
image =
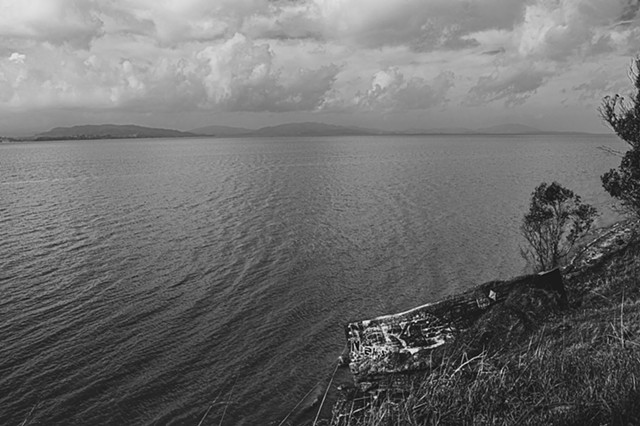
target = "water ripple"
x: 140, y: 279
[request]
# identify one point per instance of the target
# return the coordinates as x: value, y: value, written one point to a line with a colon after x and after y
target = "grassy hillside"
x: 539, y: 365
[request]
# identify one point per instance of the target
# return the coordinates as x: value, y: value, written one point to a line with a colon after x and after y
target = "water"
x: 143, y: 280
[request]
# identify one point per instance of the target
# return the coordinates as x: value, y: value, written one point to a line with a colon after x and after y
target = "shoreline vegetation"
x: 543, y: 364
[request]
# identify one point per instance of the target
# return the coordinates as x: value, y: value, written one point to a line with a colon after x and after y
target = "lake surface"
x: 144, y: 281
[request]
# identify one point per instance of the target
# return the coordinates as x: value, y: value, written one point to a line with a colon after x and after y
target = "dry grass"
x: 580, y: 366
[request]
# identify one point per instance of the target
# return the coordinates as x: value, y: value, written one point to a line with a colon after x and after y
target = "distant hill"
x: 112, y: 131
x: 109, y: 131
x: 221, y: 131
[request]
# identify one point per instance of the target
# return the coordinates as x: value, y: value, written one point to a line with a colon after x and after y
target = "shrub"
x: 556, y: 220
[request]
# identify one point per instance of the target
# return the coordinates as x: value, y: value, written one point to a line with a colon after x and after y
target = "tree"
x: 556, y: 220
x: 623, y: 183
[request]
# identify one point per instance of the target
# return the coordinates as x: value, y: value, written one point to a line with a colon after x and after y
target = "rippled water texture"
x: 141, y: 281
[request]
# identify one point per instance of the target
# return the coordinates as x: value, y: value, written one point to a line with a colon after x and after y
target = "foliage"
x: 623, y: 183
x: 556, y: 220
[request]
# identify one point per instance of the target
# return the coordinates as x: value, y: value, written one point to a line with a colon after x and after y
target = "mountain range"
x: 113, y: 131
x: 109, y: 131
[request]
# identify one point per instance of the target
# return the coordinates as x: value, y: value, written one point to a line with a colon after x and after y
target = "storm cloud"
x: 314, y: 56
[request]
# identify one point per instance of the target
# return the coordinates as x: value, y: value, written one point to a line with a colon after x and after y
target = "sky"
x: 387, y: 64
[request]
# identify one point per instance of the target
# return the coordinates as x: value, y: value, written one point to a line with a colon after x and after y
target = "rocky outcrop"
x: 406, y: 342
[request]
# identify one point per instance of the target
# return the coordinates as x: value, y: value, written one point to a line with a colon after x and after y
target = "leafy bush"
x: 556, y: 220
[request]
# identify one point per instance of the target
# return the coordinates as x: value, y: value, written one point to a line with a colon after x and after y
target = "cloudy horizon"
x: 387, y: 64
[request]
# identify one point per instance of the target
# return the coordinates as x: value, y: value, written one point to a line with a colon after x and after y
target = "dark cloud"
x: 494, y: 52
x: 513, y: 86
x: 280, y: 55
x: 630, y: 11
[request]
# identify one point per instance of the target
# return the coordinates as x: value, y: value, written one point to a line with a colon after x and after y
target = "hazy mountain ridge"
x: 108, y: 131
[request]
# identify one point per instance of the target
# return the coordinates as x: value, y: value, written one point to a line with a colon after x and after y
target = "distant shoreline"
x: 249, y: 136
x: 309, y: 129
